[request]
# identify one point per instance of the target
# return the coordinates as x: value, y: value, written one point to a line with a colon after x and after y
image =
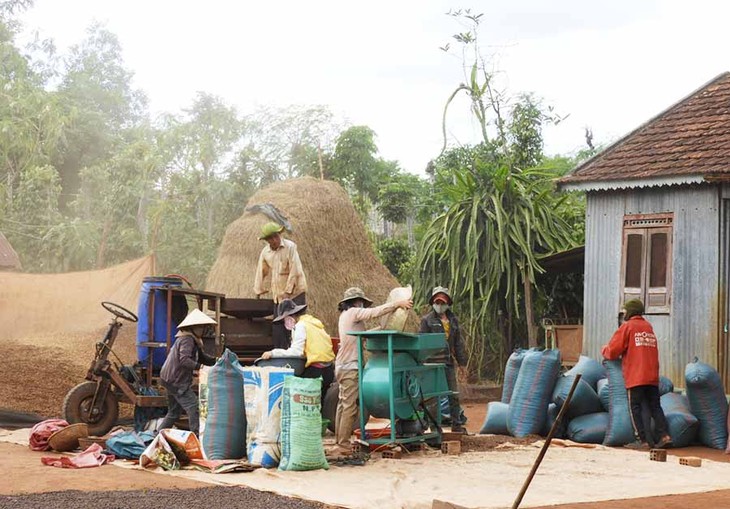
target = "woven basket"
x: 85, y: 442
x: 67, y: 439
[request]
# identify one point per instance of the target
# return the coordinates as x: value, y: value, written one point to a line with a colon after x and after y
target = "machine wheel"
x: 329, y: 407
x: 76, y: 407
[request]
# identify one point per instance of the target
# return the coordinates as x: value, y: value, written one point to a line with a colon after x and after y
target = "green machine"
x: 398, y: 384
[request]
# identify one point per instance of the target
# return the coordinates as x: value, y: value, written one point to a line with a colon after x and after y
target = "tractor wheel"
x: 329, y: 407
x: 77, y: 404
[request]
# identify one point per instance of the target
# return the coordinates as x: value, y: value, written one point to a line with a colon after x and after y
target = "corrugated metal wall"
x: 692, y: 326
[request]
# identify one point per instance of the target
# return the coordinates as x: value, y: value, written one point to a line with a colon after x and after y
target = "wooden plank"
x: 247, y: 308
x: 259, y: 327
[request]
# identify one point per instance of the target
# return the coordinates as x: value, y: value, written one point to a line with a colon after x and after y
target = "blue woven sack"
x: 584, y: 400
x: 511, y: 370
x: 225, y: 427
x: 603, y: 393
x: 590, y: 369
x: 620, y: 430
x: 665, y: 386
x: 589, y: 428
x: 708, y: 403
x: 532, y: 392
x: 552, y: 414
x: 495, y: 422
x: 683, y: 426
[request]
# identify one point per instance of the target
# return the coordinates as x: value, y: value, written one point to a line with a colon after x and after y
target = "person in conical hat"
x: 185, y: 356
x: 280, y: 272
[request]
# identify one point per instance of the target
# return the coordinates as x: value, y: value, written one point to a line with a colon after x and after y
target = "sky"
x: 609, y: 66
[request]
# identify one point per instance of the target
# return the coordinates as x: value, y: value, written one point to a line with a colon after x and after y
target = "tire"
x: 329, y: 407
x: 77, y: 401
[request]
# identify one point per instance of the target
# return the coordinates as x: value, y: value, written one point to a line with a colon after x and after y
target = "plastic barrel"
x: 150, y: 286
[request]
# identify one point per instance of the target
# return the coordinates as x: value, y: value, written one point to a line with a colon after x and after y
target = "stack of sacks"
x: 495, y: 422
x: 587, y: 419
x: 683, y: 426
x: 708, y: 403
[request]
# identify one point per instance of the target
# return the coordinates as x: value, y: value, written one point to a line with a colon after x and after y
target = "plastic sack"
x: 665, y: 386
x: 41, y: 432
x: 511, y: 370
x: 550, y: 418
x: 590, y: 369
x: 202, y: 400
x: 171, y: 449
x: 532, y: 392
x: 495, y: 422
x: 301, y: 425
x: 589, y: 428
x: 620, y: 431
x: 683, y: 426
x: 129, y: 445
x: 397, y: 319
x: 708, y: 403
x: 603, y: 394
x: 224, y: 435
x: 584, y: 400
x: 262, y: 393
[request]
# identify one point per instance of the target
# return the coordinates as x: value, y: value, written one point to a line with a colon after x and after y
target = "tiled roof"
x: 8, y: 257
x: 692, y: 137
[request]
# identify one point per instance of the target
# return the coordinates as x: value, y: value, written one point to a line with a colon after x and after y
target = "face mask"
x: 289, y: 322
x: 440, y: 308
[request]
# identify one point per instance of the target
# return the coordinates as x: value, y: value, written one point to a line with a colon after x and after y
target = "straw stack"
x: 333, y: 245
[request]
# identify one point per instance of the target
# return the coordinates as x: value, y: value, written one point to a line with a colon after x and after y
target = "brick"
x: 658, y: 455
x: 451, y: 447
x: 691, y: 461
x: 392, y: 454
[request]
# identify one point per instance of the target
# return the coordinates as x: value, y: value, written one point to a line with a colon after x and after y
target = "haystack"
x: 333, y: 246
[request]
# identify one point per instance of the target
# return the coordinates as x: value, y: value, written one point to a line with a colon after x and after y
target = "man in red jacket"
x: 635, y: 343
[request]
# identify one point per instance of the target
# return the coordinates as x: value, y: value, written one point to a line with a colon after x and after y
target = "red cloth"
x: 91, y: 457
x: 636, y: 344
x: 41, y: 432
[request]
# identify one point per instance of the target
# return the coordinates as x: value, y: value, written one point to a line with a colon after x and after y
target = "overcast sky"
x: 608, y: 65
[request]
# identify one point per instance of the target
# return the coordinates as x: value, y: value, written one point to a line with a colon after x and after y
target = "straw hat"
x: 440, y: 290
x: 196, y: 317
x: 356, y: 293
x: 269, y: 229
x: 67, y: 439
x: 287, y: 308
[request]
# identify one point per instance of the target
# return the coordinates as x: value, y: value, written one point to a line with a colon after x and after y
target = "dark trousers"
x: 177, y: 401
x: 281, y: 338
x: 327, y: 374
x: 454, y: 403
x: 646, y: 396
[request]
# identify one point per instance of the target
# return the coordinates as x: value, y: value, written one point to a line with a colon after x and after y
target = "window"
x: 646, y: 263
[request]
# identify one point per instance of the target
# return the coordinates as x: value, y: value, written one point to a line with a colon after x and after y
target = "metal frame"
x: 362, y: 336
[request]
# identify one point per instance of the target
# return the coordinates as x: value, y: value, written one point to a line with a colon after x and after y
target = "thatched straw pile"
x: 332, y: 242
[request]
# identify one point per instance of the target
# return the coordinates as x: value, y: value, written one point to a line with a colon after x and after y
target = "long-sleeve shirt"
x: 184, y: 357
x: 636, y: 344
x: 353, y: 320
x: 310, y: 340
x: 280, y: 272
x: 454, y: 344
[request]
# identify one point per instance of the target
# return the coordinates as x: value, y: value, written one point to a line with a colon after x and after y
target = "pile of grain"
x: 333, y: 245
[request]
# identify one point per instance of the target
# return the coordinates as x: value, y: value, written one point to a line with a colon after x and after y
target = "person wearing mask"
x: 185, y: 356
x: 309, y: 341
x: 280, y: 272
x: 635, y: 344
x: 442, y: 319
x: 355, y: 309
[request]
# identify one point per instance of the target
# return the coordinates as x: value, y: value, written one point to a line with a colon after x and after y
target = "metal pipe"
x: 545, y: 446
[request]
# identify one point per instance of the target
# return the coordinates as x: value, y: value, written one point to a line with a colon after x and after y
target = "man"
x: 279, y: 266
x: 354, y: 311
x: 442, y: 319
x: 185, y: 356
x: 635, y: 343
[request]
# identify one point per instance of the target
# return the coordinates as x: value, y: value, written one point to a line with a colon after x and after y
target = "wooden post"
x: 529, y: 312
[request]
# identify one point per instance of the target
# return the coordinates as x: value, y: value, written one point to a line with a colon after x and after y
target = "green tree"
x: 355, y: 165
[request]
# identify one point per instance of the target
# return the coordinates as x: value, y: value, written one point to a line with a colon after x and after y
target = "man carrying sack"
x: 279, y: 271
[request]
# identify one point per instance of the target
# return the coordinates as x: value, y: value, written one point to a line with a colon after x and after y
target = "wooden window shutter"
x: 659, y: 270
x: 633, y: 265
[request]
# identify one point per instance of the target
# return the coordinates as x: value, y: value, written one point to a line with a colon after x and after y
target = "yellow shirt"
x: 280, y: 272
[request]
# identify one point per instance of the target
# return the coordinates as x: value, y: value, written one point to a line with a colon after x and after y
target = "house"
x: 9, y: 260
x: 658, y: 228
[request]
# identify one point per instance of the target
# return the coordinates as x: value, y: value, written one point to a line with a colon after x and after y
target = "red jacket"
x: 635, y: 342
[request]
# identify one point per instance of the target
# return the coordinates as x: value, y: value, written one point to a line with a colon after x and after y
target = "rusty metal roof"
x: 8, y: 257
x: 689, y: 139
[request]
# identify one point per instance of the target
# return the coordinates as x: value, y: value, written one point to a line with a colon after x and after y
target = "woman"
x: 354, y: 311
x: 309, y: 340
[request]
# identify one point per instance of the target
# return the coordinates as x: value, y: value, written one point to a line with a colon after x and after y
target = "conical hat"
x: 196, y: 317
